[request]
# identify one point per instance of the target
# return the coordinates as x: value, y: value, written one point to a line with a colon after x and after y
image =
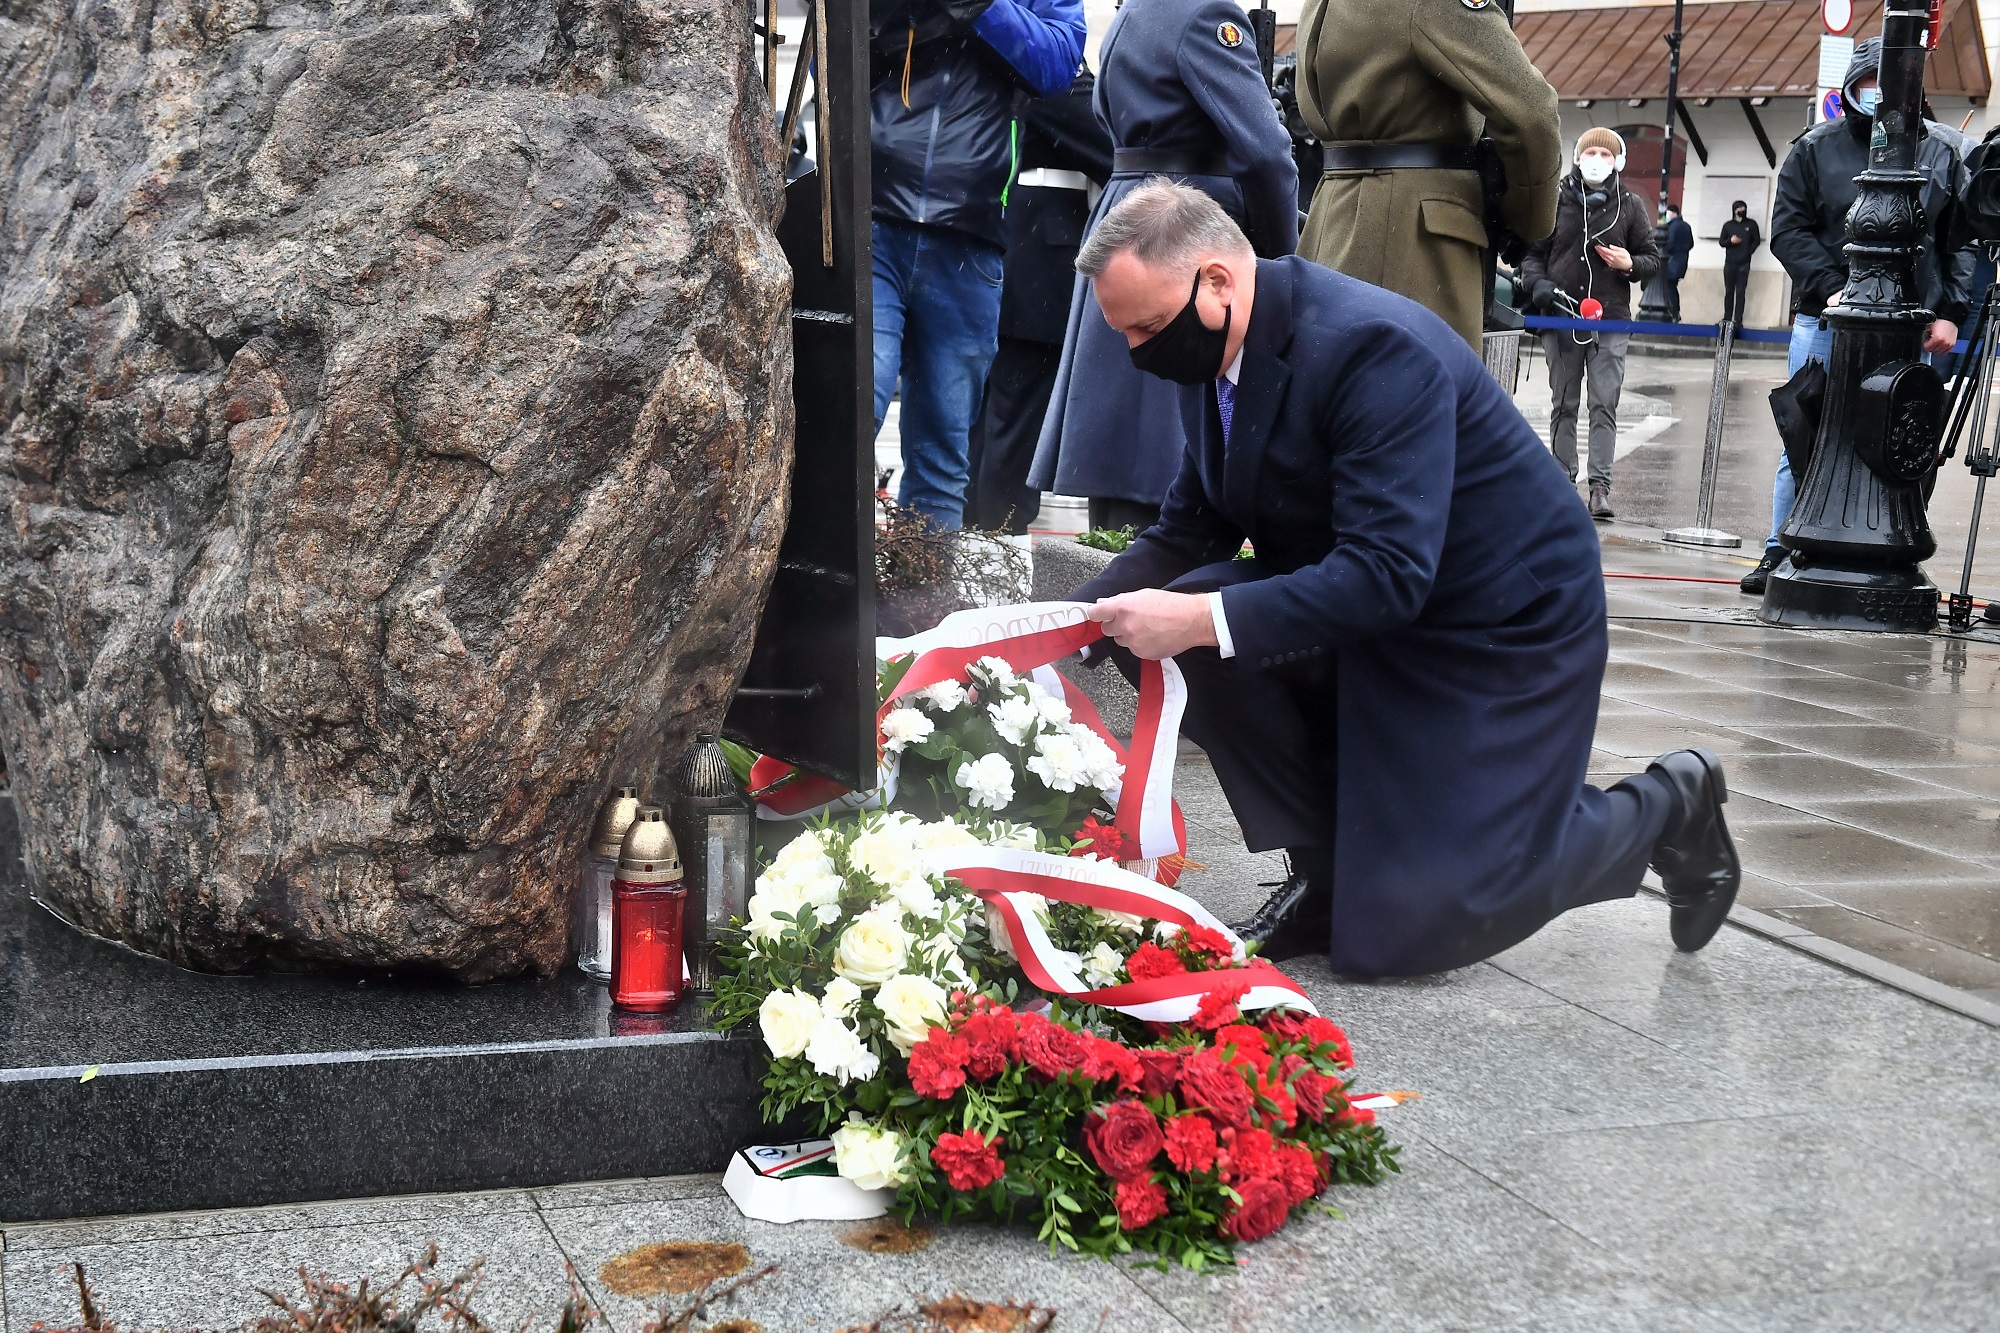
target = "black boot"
x: 1600, y: 501
x: 1298, y: 918
x: 1695, y: 857
x: 1754, y: 581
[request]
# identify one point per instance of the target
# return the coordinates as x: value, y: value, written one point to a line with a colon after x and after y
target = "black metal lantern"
x: 1858, y: 528
x: 711, y: 822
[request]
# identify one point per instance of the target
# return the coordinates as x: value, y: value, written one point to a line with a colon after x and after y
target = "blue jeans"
x: 937, y: 324
x: 1811, y: 341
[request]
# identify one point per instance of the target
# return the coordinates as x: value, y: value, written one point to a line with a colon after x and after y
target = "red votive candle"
x: 646, y: 908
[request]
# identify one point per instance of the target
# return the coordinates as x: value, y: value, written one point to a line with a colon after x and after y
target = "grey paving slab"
x: 212, y: 1281
x: 1824, y: 852
x: 1661, y: 732
x: 465, y: 1208
x: 1949, y: 1307
x: 824, y: 1283
x: 1439, y: 1248
x: 1876, y: 744
x: 1750, y: 1207
x: 1961, y: 826
x: 650, y: 1190
x: 1745, y: 710
x: 1972, y: 780
x: 1761, y: 894
x: 1904, y: 945
x: 1968, y: 914
x: 1790, y: 779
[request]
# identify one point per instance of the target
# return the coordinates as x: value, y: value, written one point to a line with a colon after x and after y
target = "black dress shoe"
x: 1297, y: 919
x: 1754, y: 581
x: 1600, y: 502
x: 1697, y: 861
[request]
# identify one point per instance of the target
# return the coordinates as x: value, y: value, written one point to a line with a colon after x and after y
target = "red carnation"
x: 1320, y: 1031
x: 968, y: 1161
x: 992, y: 1038
x: 1207, y: 1082
x: 1124, y: 1138
x: 1139, y: 1202
x: 1263, y: 1210
x: 1218, y: 1007
x: 1161, y: 1070
x: 1297, y: 1172
x: 1113, y: 1059
x: 1106, y: 842
x: 1246, y: 1039
x: 1208, y: 942
x: 1149, y: 960
x: 937, y: 1064
x: 1050, y: 1048
x: 1191, y: 1143
x: 1359, y: 1115
x: 1250, y: 1155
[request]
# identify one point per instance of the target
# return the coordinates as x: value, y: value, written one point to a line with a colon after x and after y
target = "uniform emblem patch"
x: 1476, y: 4
x: 1229, y: 34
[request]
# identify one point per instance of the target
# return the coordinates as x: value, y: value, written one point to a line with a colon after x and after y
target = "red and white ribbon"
x: 1028, y: 638
x: 1004, y: 877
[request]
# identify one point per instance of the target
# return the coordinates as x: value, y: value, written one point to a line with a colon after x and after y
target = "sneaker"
x: 1600, y: 502
x: 1753, y: 582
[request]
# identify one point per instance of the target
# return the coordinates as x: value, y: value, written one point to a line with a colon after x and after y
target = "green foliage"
x: 1108, y: 539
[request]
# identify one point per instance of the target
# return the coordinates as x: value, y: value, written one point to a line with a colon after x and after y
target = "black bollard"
x: 1858, y: 529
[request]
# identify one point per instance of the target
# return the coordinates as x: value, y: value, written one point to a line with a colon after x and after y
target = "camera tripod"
x: 1976, y: 370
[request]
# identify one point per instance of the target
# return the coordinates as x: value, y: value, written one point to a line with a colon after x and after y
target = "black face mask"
x: 1186, y: 351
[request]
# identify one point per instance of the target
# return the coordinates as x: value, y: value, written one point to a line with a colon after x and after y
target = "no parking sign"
x: 1829, y: 103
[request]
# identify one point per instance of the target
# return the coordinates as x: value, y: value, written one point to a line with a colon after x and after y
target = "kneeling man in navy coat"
x: 1401, y: 688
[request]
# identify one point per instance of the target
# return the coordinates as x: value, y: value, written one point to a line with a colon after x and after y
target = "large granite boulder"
x: 395, y: 424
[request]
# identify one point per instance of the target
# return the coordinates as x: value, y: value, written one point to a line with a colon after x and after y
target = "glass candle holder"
x: 646, y: 946
x: 590, y: 923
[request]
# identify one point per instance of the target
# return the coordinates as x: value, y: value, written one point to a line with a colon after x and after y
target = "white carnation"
x: 887, y: 853
x: 1102, y: 965
x: 905, y: 726
x: 870, y: 1157
x: 1015, y: 719
x: 842, y: 998
x: 803, y: 855
x: 1100, y: 763
x: 915, y: 896
x: 911, y: 1005
x: 945, y: 833
x: 996, y: 670
x: 945, y: 696
x: 1020, y: 836
x: 1053, y: 710
x: 835, y: 1050
x: 787, y: 1018
x: 1058, y: 761
x: 988, y: 781
x: 939, y: 955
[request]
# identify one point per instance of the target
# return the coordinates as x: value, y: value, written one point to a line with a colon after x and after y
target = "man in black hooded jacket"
x: 1809, y: 235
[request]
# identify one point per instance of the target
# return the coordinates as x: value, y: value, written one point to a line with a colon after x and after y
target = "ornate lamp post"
x: 1858, y: 528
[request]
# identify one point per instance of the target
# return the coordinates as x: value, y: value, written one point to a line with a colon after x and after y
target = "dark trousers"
x: 1003, y: 438
x: 1116, y: 514
x: 1670, y: 288
x: 1272, y: 736
x: 1735, y: 284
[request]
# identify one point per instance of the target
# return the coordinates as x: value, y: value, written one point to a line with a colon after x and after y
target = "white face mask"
x: 1596, y: 170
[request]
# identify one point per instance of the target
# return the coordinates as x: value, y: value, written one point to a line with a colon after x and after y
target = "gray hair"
x: 1165, y: 225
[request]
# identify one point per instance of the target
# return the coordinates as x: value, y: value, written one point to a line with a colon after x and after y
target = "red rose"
x: 937, y: 1065
x: 1050, y: 1048
x: 1161, y: 1071
x: 1209, y: 943
x: 992, y: 1038
x: 1218, y: 1007
x: 1191, y: 1143
x: 1112, y: 1059
x: 968, y: 1161
x: 1207, y: 1082
x: 1309, y: 1087
x: 1124, y: 1138
x: 1263, y: 1210
x: 1297, y: 1172
x: 1149, y: 960
x: 1139, y: 1202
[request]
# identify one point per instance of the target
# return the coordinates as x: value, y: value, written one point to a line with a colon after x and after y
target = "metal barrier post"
x: 1701, y: 534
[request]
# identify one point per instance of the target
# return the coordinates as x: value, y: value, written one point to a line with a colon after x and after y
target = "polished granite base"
x: 215, y: 1092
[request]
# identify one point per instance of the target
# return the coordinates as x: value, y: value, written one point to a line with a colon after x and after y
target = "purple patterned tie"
x: 1225, y: 404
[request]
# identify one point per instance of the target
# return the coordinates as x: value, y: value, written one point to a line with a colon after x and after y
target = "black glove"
x: 1542, y: 296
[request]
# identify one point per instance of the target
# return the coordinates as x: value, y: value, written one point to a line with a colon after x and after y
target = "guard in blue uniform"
x: 1401, y: 689
x: 1181, y: 93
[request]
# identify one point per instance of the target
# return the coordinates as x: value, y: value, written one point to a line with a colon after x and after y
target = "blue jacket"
x: 945, y: 159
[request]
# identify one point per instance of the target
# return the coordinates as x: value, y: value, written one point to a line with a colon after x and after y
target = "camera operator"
x: 1809, y: 237
x: 1602, y: 246
x: 944, y: 74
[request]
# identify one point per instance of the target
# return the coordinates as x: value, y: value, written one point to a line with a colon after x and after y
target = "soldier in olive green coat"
x: 1398, y: 92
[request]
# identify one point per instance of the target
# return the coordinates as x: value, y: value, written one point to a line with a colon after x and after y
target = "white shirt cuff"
x: 1222, y: 639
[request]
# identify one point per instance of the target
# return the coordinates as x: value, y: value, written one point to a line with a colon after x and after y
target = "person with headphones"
x: 1602, y: 247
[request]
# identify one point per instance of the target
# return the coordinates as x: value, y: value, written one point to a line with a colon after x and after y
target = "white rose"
x: 988, y: 781
x: 873, y: 949
x: 886, y: 853
x: 835, y: 1049
x: 1128, y: 922
x: 945, y: 696
x: 905, y: 726
x: 822, y: 894
x: 787, y: 1018
x: 911, y: 1005
x: 1014, y: 719
x: 1058, y: 762
x: 1102, y: 965
x: 775, y: 894
x: 943, y: 834
x: 805, y: 854
x: 996, y: 925
x: 872, y: 1158
x: 842, y: 998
